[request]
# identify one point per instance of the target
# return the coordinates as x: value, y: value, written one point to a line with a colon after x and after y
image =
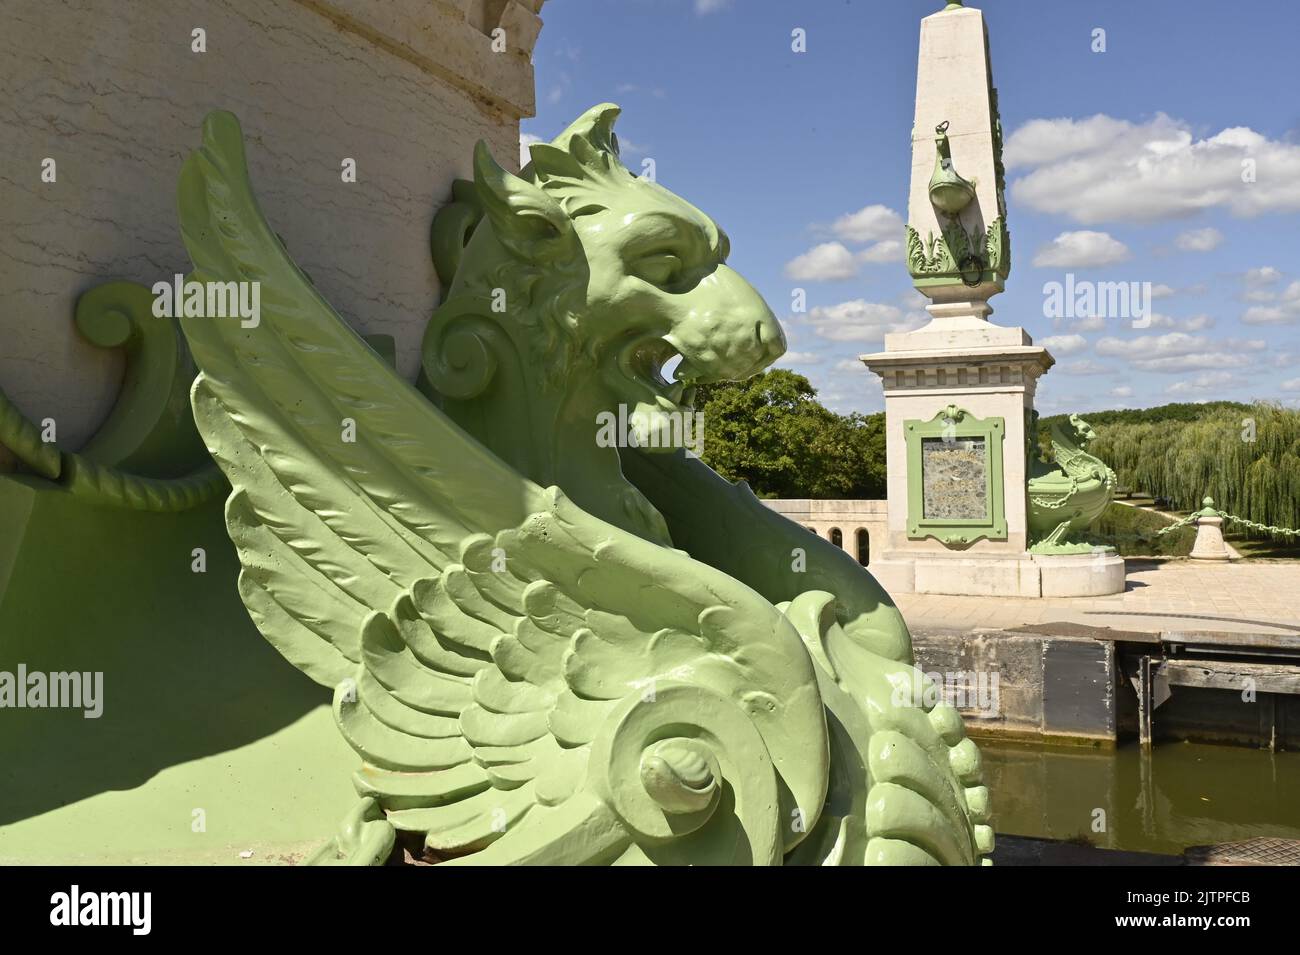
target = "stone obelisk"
x: 959, y: 391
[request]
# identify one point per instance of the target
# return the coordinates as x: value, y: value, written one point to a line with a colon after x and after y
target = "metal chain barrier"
x: 1208, y: 511
x: 1263, y: 528
x: 1190, y: 519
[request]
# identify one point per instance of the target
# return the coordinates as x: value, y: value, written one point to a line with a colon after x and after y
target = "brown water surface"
x: 1178, y: 795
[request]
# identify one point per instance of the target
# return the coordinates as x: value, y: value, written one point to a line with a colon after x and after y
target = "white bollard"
x: 1209, y: 543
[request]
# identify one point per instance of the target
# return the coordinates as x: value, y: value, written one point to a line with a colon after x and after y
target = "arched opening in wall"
x: 836, y: 537
x: 864, y: 546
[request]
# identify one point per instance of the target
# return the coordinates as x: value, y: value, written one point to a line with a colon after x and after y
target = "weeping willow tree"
x: 1247, y: 460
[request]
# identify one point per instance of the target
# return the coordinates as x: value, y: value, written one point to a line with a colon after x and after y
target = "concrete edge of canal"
x: 1068, y: 683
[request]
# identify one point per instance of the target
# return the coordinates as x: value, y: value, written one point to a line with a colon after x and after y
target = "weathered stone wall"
x: 113, y: 92
x: 1055, y: 687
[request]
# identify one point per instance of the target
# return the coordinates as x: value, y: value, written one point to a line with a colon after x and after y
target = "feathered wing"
x: 514, y: 673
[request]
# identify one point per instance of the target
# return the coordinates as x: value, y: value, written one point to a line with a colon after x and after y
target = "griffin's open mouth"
x: 650, y: 361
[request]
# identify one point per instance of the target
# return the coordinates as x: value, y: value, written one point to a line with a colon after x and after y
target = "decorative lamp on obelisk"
x: 959, y: 392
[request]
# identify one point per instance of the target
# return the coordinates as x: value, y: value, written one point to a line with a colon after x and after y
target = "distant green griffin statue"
x: 543, y: 649
x: 1068, y: 494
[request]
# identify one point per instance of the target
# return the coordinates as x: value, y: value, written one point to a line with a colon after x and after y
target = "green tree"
x: 772, y: 432
x: 1247, y: 457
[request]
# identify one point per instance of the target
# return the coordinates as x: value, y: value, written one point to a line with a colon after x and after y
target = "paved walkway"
x: 1244, y: 596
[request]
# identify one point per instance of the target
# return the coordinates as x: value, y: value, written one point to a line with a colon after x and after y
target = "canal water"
x: 1177, y: 795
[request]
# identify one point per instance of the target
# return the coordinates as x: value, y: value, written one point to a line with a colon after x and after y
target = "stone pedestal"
x: 1209, y: 543
x: 1080, y: 575
x: 981, y: 377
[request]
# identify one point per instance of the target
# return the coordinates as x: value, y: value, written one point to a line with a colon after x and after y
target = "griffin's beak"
x: 731, y: 333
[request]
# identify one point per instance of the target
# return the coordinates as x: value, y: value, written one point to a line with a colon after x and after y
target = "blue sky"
x: 804, y: 159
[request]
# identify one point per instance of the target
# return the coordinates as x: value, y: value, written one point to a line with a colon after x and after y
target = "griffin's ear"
x: 530, y: 224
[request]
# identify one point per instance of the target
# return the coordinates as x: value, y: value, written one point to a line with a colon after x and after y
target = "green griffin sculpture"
x: 543, y: 649
x: 1067, y: 495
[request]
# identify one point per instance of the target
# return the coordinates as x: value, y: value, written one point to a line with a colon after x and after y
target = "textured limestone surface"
x: 954, y: 479
x: 115, y: 95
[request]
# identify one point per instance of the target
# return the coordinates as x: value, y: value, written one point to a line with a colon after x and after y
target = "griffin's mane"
x: 578, y: 169
x: 581, y: 164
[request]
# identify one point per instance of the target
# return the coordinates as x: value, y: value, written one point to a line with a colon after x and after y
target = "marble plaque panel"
x: 954, y: 479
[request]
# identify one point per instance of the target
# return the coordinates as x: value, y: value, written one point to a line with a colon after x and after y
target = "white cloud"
x: 1085, y: 366
x: 1121, y: 391
x: 1264, y: 275
x: 526, y: 140
x: 890, y: 250
x: 1043, y: 141
x: 1292, y: 385
x: 830, y: 260
x: 1102, y: 169
x: 1207, y: 383
x: 1196, y: 323
x: 1081, y: 250
x: 869, y: 224
x: 1087, y: 323
x: 1064, y: 344
x: 1277, y: 307
x: 705, y: 7
x: 800, y: 358
x: 1286, y: 313
x: 1175, y: 343
x: 1176, y: 364
x: 1179, y: 352
x: 1200, y: 240
x: 861, y: 321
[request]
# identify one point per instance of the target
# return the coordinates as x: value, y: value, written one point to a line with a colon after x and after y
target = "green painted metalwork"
x: 150, y: 430
x: 1000, y: 172
x: 528, y: 664
x: 953, y: 427
x: 147, y: 454
x: 955, y: 257
x: 949, y: 191
x: 196, y: 710
x: 1068, y: 494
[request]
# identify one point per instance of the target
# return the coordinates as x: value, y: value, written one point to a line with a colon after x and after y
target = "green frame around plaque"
x: 952, y: 531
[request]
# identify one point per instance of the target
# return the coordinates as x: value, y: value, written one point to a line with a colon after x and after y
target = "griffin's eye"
x: 661, y: 269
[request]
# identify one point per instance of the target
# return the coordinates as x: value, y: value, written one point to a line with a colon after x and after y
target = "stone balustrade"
x: 860, y: 527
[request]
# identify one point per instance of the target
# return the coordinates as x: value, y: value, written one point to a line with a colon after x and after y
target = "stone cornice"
x: 452, y: 40
x: 1023, y: 355
x: 976, y: 368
